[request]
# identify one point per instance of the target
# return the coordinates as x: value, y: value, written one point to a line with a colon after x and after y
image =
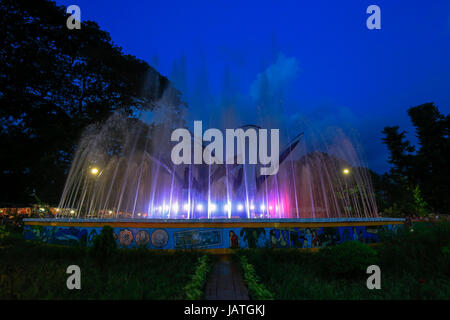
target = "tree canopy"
x: 53, y: 83
x: 421, y: 171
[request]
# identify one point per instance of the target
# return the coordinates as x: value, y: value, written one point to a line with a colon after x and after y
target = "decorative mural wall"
x: 211, y: 238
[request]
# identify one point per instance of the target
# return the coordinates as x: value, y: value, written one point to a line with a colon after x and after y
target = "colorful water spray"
x: 122, y: 170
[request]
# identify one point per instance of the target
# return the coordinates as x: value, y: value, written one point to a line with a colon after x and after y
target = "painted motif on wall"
x: 70, y: 235
x: 213, y: 238
x: 160, y: 237
x: 59, y: 235
x: 320, y: 237
x: 294, y: 238
x: 41, y: 233
x: 234, y: 240
x: 252, y: 236
x: 198, y: 238
x: 125, y: 237
x: 142, y: 238
x: 92, y: 234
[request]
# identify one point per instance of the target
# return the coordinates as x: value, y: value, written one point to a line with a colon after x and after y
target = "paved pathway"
x: 225, y: 282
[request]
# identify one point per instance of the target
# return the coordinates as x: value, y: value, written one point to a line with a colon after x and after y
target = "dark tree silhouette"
x: 428, y: 168
x: 53, y: 83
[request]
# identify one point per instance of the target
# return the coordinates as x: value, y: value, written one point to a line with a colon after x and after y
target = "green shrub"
x: 420, y: 205
x: 8, y: 238
x: 256, y: 289
x: 104, y: 246
x: 3, y: 232
x: 446, y: 251
x: 420, y: 250
x: 194, y: 289
x: 346, y: 260
x: 394, y: 211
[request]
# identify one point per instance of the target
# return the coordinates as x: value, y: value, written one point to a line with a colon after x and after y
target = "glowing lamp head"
x: 212, y: 207
x: 199, y: 207
x: 262, y: 207
x: 240, y: 207
x: 186, y: 207
x: 346, y: 171
x: 94, y: 171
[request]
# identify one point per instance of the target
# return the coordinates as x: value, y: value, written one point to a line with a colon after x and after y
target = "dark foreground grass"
x: 413, y: 265
x: 37, y: 271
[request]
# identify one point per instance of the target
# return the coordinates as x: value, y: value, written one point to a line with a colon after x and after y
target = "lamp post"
x: 95, y: 173
x: 346, y: 172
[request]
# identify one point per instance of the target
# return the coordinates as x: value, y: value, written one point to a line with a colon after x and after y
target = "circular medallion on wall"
x: 125, y: 237
x: 142, y: 238
x: 160, y: 237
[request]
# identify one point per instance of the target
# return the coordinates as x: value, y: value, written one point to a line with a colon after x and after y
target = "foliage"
x: 251, y: 235
x: 53, y: 83
x: 349, y: 259
x: 256, y: 289
x: 421, y: 207
x: 412, y: 268
x: 418, y: 250
x: 394, y: 211
x: 423, y: 171
x: 33, y: 270
x: 3, y: 233
x: 104, y: 246
x: 194, y: 289
x: 446, y: 251
x: 411, y: 203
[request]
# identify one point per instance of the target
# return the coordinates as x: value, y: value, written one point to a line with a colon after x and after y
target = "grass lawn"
x: 413, y: 265
x: 38, y: 271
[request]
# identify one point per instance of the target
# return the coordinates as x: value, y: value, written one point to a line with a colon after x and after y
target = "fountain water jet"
x: 121, y: 171
x: 121, y: 176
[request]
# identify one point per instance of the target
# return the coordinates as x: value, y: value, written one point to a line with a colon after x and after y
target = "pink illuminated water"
x: 135, y: 179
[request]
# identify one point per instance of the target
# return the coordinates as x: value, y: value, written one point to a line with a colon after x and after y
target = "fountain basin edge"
x: 213, y: 235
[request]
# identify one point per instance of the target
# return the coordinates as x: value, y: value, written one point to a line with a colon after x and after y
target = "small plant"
x: 104, y: 246
x: 394, y: 211
x: 4, y: 234
x: 256, y: 289
x: 422, y: 252
x: 194, y: 289
x: 347, y: 260
x: 421, y: 207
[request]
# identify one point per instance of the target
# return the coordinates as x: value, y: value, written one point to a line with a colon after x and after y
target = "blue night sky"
x: 333, y: 70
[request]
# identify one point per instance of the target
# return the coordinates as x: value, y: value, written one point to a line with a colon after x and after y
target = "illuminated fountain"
x: 122, y: 176
x: 121, y: 170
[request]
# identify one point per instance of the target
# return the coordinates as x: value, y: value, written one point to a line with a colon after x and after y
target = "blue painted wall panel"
x: 211, y: 238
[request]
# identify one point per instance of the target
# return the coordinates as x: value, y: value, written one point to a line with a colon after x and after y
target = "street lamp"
x: 346, y: 171
x: 94, y: 171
